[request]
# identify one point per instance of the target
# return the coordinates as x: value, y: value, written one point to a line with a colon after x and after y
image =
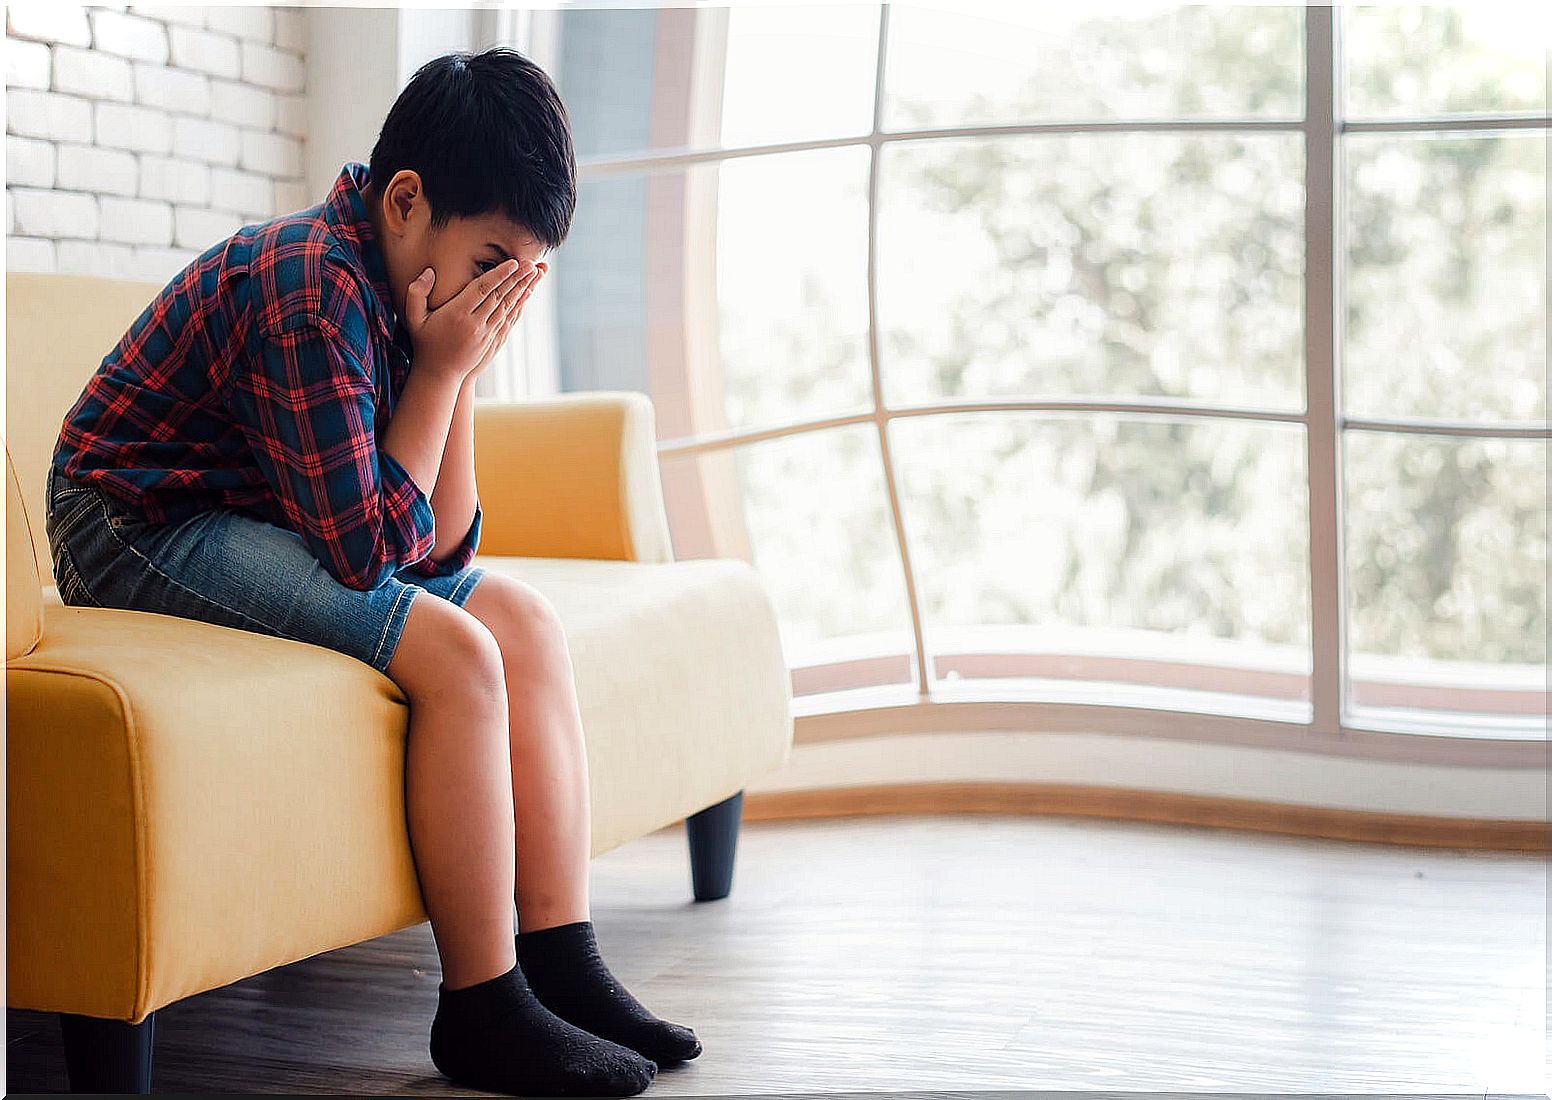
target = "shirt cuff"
x: 408, y: 522
x: 426, y: 567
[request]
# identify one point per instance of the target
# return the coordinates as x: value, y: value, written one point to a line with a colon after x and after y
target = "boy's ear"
x: 402, y: 192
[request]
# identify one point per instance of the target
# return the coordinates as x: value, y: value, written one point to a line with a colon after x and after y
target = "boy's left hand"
x: 505, y: 327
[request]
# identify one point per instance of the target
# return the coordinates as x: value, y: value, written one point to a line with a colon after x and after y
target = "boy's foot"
x: 496, y: 1035
x: 565, y: 971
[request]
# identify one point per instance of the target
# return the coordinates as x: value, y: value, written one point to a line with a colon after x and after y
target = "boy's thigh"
x: 233, y: 569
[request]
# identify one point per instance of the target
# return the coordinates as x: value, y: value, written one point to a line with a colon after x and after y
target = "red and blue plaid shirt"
x: 260, y: 379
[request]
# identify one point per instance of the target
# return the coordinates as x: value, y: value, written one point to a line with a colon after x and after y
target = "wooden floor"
x: 969, y: 953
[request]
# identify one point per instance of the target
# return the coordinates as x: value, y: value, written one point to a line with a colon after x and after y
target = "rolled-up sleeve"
x: 306, y: 405
x: 427, y: 567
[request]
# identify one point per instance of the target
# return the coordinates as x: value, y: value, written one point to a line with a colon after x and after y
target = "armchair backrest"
x: 59, y: 328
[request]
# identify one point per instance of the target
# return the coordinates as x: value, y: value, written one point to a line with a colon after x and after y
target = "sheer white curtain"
x: 526, y: 366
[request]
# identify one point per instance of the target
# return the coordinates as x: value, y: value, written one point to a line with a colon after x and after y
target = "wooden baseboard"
x: 1162, y: 806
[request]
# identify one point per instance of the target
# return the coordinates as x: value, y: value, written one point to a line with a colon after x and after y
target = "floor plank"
x: 964, y: 953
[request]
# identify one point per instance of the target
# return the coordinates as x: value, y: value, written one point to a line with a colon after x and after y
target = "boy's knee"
x: 445, y: 648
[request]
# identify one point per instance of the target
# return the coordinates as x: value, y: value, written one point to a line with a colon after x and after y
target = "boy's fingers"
x: 514, y: 308
x: 512, y: 281
x: 527, y: 294
x: 528, y: 285
x: 491, y: 280
x: 493, y: 340
x: 516, y: 302
x: 528, y: 290
x: 498, y: 299
x: 502, y: 327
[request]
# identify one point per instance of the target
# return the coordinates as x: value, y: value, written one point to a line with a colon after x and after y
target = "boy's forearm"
x: 455, y: 494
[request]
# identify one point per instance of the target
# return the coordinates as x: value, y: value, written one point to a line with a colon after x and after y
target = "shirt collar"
x: 345, y: 211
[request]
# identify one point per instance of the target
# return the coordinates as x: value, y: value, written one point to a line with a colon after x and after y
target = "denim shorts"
x: 226, y: 567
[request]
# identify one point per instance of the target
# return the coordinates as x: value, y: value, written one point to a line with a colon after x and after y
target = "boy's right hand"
x: 453, y: 338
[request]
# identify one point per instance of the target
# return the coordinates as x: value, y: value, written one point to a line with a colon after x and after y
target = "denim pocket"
x: 62, y: 497
x: 72, y: 590
x: 75, y: 515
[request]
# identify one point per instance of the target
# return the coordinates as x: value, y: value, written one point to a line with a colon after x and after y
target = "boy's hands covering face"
x: 530, y: 282
x: 460, y: 337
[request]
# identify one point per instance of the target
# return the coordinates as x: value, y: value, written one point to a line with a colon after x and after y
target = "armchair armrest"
x: 571, y: 475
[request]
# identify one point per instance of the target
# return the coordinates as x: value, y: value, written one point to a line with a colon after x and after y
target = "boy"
x: 256, y: 452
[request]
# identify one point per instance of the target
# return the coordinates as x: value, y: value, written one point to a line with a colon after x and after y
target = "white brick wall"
x: 216, y: 54
x: 90, y: 73
x: 181, y: 181
x: 136, y: 221
x: 29, y: 162
x: 131, y: 36
x: 139, y: 135
x: 49, y: 22
x: 39, y: 213
x: 245, y: 192
x: 174, y: 90
x: 242, y: 104
x: 27, y: 64
x: 201, y: 139
x: 94, y: 168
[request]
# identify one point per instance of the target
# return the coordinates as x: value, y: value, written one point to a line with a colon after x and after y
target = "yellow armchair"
x: 191, y: 804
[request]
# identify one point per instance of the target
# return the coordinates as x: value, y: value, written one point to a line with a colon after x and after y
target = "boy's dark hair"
x: 485, y: 132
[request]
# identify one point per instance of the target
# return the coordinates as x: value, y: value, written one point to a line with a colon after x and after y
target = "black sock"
x: 565, y: 971
x: 496, y: 1035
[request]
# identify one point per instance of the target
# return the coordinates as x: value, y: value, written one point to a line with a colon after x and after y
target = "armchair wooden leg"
x: 713, y: 834
x: 107, y: 1055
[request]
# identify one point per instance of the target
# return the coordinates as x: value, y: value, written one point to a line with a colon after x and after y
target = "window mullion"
x: 1321, y: 387
x: 880, y: 415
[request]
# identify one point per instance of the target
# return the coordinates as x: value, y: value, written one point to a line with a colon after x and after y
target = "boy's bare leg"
x: 457, y: 786
x: 548, y: 756
x: 491, y: 1031
x: 556, y: 946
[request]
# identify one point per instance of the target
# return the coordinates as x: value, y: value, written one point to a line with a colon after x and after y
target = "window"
x: 1444, y: 365
x: 1178, y: 361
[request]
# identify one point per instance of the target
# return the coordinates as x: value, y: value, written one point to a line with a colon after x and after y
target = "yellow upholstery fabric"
x: 171, y: 828
x: 191, y: 804
x: 576, y: 475
x: 59, y: 328
x: 23, y: 603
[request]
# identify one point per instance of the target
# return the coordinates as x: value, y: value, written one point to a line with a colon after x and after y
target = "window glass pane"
x: 1120, y: 264
x: 798, y: 73
x: 1446, y: 574
x: 735, y: 295
x: 1136, y: 550
x: 1015, y: 62
x: 645, y: 78
x: 1409, y: 60
x: 605, y: 72
x: 792, y: 285
x: 810, y: 512
x: 1446, y: 276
